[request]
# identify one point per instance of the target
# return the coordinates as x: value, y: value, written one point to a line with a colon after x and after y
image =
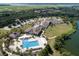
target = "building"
x: 45, y: 23
x: 55, y: 20
x: 14, y: 35
x: 34, y: 30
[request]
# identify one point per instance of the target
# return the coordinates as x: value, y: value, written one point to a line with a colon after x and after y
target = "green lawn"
x: 2, y: 33
x: 58, y: 30
x: 26, y: 26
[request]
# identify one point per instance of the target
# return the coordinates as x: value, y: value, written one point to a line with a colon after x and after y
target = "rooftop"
x: 14, y: 35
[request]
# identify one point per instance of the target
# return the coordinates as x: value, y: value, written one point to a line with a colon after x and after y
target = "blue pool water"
x: 28, y: 44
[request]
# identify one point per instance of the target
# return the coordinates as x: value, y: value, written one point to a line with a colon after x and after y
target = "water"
x: 72, y: 45
x: 28, y: 44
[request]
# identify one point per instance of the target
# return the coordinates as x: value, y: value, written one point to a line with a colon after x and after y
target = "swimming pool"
x: 28, y: 44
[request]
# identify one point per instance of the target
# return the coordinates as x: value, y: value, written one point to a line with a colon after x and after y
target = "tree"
x: 49, y: 49
x: 46, y: 51
x: 58, y: 43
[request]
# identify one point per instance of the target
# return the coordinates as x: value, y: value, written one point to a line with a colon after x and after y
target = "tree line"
x: 9, y: 17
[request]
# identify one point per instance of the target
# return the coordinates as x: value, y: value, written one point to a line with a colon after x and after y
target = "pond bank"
x: 73, y: 44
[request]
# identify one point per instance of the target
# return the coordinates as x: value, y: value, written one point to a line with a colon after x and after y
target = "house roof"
x: 45, y: 23
x: 34, y: 30
x: 37, y: 30
x: 14, y: 35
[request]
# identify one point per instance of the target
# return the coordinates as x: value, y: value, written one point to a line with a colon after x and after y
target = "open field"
x: 55, y: 31
x: 18, y: 8
x: 58, y: 30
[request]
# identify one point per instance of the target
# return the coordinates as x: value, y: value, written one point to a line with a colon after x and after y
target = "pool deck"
x: 41, y: 41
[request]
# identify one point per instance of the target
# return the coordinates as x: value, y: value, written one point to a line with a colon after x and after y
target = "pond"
x: 72, y: 45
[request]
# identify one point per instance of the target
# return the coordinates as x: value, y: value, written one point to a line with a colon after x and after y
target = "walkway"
x: 52, y: 37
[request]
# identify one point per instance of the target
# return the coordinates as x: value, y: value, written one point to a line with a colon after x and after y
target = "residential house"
x: 14, y: 35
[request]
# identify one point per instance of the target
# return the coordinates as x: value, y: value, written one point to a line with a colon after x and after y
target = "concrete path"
x: 52, y: 37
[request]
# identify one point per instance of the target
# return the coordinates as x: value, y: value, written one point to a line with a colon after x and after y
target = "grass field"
x: 57, y: 30
x: 26, y: 26
x: 18, y: 8
x: 2, y: 33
